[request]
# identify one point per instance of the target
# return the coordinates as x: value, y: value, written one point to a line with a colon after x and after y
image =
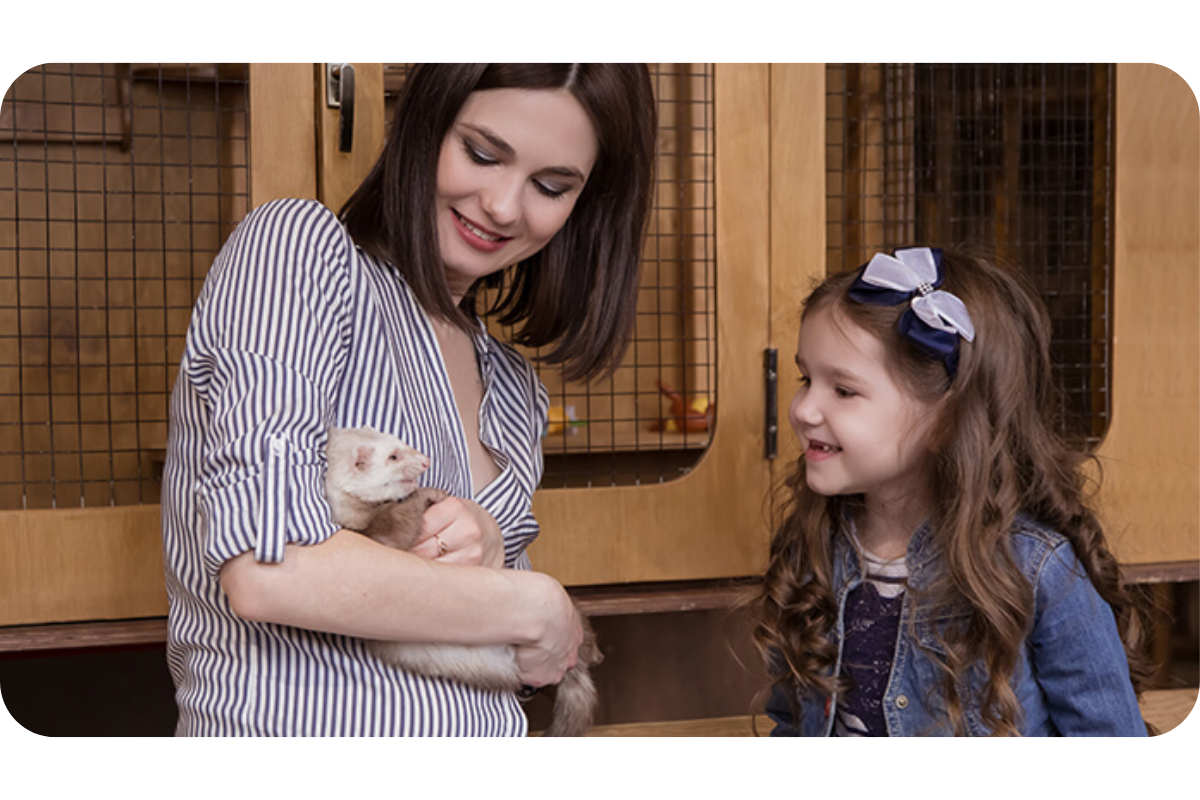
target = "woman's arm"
x: 353, y: 586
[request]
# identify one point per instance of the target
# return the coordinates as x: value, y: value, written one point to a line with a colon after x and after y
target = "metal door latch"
x: 339, y: 93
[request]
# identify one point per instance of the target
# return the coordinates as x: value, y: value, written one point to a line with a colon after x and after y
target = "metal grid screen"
x: 1015, y: 158
x: 652, y: 421
x: 118, y: 184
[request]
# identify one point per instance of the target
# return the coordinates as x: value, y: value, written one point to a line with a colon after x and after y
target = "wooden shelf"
x: 597, y: 601
x: 83, y: 635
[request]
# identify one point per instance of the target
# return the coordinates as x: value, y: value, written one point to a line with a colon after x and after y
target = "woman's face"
x: 509, y: 173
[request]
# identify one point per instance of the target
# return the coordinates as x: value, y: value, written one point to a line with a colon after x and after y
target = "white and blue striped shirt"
x: 296, y: 331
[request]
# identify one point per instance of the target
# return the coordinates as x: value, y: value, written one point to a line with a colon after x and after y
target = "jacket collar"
x: 923, y: 553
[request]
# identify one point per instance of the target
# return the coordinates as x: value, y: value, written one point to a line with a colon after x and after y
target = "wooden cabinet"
x: 770, y: 214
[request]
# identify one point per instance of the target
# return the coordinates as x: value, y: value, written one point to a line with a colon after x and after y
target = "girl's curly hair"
x: 998, y: 441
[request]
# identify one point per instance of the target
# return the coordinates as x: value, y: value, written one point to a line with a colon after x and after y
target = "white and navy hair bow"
x: 935, y: 320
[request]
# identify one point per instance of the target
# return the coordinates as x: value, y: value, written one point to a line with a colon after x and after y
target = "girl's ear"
x: 942, y: 427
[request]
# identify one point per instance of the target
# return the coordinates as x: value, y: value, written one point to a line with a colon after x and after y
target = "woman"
x: 307, y: 321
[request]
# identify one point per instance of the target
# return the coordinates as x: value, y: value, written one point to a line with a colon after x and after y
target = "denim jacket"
x: 1071, y: 676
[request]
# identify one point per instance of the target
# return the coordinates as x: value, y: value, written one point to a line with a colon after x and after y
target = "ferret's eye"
x: 394, y: 457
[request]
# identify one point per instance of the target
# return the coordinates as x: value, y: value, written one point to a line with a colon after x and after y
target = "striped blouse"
x: 295, y: 331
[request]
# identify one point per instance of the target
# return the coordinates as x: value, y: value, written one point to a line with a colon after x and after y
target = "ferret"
x: 371, y: 484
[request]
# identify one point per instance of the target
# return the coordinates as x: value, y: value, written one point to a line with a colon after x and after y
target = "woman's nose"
x: 501, y: 200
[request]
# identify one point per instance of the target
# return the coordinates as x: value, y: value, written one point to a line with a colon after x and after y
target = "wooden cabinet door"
x: 105, y: 563
x: 769, y: 126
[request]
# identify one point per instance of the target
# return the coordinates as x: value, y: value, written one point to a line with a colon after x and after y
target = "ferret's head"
x: 372, y: 466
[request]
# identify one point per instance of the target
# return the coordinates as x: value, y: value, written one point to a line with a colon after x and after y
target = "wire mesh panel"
x: 118, y: 184
x: 651, y: 421
x: 1017, y: 159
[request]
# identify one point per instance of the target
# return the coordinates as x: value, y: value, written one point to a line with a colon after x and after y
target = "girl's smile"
x: 819, y: 451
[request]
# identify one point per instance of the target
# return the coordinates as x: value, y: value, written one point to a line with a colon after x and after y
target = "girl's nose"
x: 803, y: 411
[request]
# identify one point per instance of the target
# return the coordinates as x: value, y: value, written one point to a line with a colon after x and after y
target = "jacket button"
x: 902, y: 701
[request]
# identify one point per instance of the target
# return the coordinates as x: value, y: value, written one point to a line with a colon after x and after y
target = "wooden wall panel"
x: 283, y: 137
x: 1151, y: 455
x: 64, y: 565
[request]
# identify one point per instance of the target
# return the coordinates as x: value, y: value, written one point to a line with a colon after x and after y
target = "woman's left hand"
x: 458, y: 531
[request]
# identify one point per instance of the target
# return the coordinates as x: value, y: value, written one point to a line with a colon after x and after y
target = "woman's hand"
x: 458, y: 531
x: 543, y: 661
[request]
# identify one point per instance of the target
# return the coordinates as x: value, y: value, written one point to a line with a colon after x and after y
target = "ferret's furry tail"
x: 574, y: 704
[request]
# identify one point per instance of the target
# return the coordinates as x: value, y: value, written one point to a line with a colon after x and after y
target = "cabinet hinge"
x: 771, y: 387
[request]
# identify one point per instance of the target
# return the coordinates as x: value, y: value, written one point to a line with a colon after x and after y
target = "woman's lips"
x: 477, y: 236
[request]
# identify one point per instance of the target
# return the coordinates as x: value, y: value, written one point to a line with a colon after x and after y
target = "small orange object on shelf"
x: 688, y: 415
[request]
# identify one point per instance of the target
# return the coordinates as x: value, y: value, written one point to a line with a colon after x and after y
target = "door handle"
x: 339, y: 94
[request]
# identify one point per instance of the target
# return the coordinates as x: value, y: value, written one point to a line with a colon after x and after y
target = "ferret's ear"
x: 362, y: 456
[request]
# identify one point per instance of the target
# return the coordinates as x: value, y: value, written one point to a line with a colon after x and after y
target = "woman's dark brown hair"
x: 578, y: 295
x: 998, y: 443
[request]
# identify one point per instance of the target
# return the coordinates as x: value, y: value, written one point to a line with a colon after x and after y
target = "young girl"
x: 938, y: 571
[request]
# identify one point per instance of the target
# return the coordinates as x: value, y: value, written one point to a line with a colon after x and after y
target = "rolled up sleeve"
x: 265, y: 357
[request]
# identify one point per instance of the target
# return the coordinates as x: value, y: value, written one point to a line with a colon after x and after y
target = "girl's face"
x: 861, y: 432
x: 510, y: 170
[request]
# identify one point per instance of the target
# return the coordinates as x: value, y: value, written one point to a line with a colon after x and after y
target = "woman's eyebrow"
x: 498, y: 142
x: 493, y: 138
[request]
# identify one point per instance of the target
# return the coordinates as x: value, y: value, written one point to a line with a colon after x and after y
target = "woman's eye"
x: 481, y: 157
x: 553, y: 191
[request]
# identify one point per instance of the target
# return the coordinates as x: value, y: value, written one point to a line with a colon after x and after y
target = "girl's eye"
x: 843, y: 392
x: 805, y: 381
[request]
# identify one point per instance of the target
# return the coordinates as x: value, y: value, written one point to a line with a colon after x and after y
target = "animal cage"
x: 1016, y: 159
x: 119, y: 183
x: 122, y: 183
x: 627, y: 430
